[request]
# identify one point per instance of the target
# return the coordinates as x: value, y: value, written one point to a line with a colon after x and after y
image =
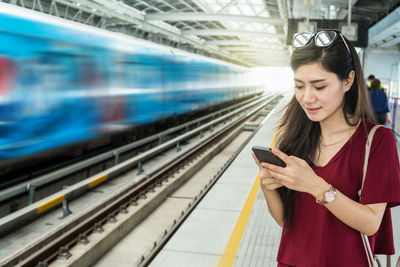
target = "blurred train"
x: 63, y: 82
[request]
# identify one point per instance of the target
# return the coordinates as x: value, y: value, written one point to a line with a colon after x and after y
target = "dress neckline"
x: 342, y: 149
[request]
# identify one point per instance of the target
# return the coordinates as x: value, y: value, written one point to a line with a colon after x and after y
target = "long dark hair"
x: 300, y: 136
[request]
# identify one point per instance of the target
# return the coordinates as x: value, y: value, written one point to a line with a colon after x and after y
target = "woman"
x: 379, y: 102
x: 324, y: 130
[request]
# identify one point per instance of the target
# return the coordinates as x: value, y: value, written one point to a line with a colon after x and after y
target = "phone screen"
x: 264, y: 154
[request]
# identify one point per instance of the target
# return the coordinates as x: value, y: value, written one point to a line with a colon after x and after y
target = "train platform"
x: 232, y: 226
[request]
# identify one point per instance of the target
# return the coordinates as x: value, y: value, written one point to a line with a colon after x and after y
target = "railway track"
x: 140, y: 196
x: 26, y: 193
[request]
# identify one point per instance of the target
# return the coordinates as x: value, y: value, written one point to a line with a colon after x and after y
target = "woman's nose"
x: 309, y: 96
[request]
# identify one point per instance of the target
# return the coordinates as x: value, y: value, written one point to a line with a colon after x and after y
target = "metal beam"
x: 226, y: 7
x: 257, y: 49
x: 74, y: 5
x: 243, y: 40
x: 195, y: 16
x: 269, y: 43
x: 253, y: 48
x: 232, y: 33
x: 270, y: 63
x: 283, y: 14
x: 387, y: 28
x: 262, y: 54
x: 261, y: 58
x: 119, y: 13
x: 117, y: 9
x: 237, y: 43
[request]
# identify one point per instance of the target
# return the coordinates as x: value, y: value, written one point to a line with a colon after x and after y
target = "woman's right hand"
x: 267, y: 181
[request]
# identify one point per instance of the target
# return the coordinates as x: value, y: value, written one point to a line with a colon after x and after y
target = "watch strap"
x: 323, y: 200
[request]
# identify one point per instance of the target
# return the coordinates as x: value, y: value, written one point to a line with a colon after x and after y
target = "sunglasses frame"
x: 315, y: 35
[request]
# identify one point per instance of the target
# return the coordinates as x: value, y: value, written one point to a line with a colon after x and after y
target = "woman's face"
x: 320, y: 92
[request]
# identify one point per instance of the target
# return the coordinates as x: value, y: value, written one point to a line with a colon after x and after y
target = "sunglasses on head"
x: 321, y: 38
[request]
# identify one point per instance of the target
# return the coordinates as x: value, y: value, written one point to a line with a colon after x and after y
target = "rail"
x: 36, y: 209
x: 58, y: 174
x: 66, y: 237
x: 394, y: 107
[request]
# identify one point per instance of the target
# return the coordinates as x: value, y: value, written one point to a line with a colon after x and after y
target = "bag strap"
x: 368, y: 251
x: 366, y: 155
x: 364, y: 237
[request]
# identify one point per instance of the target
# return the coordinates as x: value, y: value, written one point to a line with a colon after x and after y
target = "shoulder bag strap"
x: 366, y: 156
x: 364, y: 237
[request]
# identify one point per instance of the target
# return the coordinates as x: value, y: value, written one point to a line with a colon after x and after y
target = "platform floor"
x: 202, y: 239
x: 232, y: 225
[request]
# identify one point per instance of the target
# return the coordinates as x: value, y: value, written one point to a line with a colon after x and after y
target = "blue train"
x: 62, y: 82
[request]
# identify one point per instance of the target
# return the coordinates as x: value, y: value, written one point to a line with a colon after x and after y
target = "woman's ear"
x: 348, y: 82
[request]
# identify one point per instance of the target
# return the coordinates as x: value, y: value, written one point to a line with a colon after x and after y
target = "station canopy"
x: 244, y: 32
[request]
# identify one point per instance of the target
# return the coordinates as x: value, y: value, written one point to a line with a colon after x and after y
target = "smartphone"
x: 264, y: 154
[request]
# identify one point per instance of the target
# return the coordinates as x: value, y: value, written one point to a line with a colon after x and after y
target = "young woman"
x: 322, y: 141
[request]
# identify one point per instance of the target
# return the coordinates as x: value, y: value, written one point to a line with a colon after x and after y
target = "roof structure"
x: 244, y: 32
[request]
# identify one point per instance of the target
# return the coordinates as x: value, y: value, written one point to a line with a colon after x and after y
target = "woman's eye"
x: 320, y: 88
x: 298, y: 87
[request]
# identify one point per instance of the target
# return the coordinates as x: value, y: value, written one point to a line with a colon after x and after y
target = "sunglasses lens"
x: 301, y: 39
x: 325, y: 38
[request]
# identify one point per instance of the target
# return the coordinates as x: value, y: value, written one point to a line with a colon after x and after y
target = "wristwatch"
x: 329, y: 196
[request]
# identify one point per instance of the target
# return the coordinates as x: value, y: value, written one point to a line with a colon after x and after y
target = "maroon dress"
x: 316, y: 237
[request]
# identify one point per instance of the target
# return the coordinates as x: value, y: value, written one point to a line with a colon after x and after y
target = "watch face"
x: 330, y: 196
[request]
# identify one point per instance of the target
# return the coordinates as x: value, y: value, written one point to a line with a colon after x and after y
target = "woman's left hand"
x: 297, y: 175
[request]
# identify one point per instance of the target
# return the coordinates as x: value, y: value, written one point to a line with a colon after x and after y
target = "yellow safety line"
x: 98, y: 180
x: 228, y: 257
x: 50, y: 204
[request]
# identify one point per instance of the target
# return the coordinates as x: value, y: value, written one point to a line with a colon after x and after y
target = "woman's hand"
x: 272, y: 196
x: 268, y: 182
x: 297, y: 175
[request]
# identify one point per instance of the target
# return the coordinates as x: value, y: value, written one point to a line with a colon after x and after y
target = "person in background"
x: 371, y: 78
x: 322, y: 140
x: 379, y: 102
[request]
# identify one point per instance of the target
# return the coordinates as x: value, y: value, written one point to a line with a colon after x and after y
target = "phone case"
x: 264, y: 154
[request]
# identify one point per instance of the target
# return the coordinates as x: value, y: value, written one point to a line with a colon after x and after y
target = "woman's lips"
x: 312, y: 110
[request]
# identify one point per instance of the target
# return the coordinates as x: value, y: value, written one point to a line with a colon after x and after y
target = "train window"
x: 58, y: 69
x: 132, y: 72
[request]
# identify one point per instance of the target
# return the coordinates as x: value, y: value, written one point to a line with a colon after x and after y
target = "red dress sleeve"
x: 382, y: 185
x: 382, y: 180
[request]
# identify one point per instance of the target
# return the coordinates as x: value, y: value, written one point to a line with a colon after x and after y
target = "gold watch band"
x: 331, y: 192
